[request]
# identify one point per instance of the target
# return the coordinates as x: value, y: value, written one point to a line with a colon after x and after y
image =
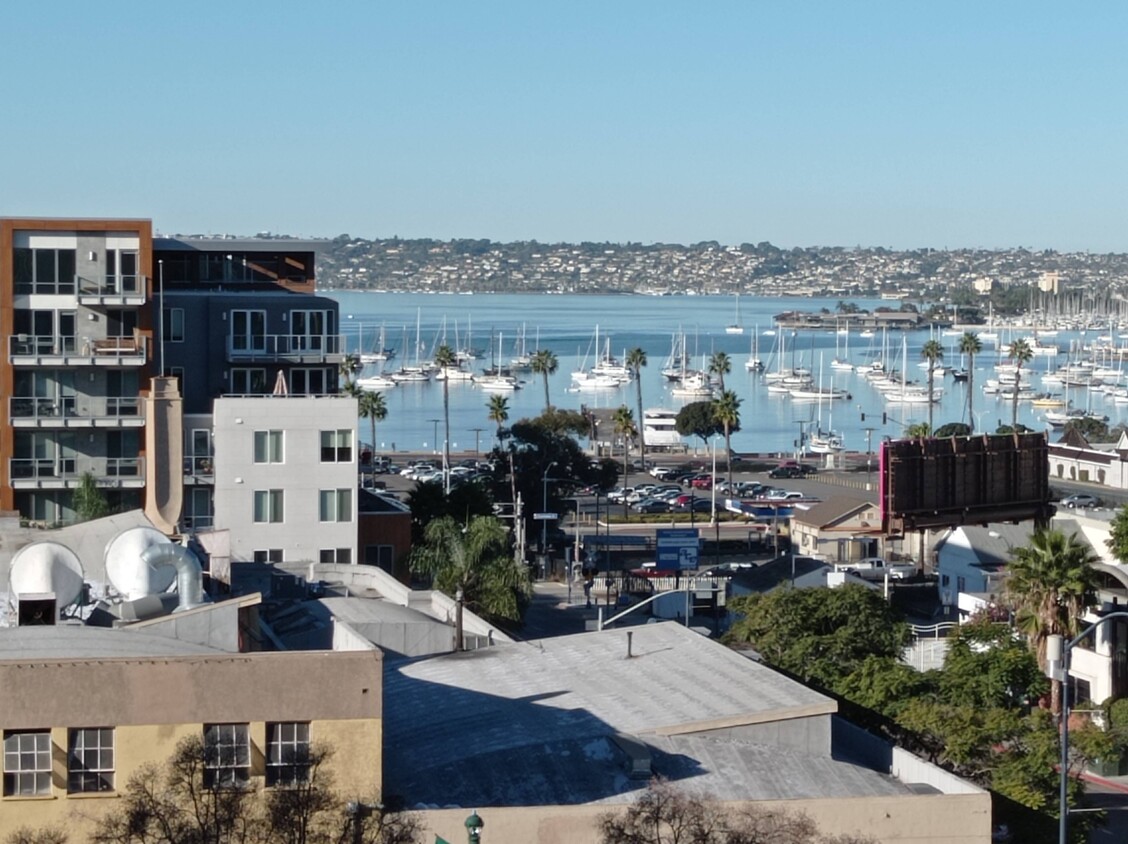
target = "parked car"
x: 784, y: 495
x: 662, y: 472
x: 695, y: 505
x: 787, y: 472
x: 1080, y: 499
x: 875, y: 568
x: 702, y: 482
x: 651, y: 505
x: 619, y: 493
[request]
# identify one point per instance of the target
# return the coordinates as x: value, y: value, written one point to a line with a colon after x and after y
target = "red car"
x: 702, y: 482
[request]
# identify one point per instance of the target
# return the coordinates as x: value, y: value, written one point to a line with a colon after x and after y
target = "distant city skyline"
x: 955, y: 125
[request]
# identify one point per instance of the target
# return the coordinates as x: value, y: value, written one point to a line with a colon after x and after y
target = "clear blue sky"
x: 897, y: 124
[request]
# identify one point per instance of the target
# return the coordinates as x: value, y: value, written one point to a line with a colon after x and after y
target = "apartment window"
x: 343, y: 556
x: 382, y: 556
x: 336, y: 446
x: 287, y: 754
x: 335, y: 505
x: 43, y: 270
x: 90, y: 760
x: 961, y: 584
x: 173, y: 325
x: 121, y: 271
x: 268, y: 505
x: 311, y: 382
x: 268, y: 555
x: 27, y: 763
x: 227, y: 755
x: 248, y: 381
x: 268, y: 446
x: 248, y: 331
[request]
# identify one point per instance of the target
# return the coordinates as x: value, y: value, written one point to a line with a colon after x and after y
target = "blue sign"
x: 678, y: 548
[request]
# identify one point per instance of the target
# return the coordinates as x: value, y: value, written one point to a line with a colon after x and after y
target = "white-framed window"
x: 227, y: 755
x: 269, y: 505
x: 287, y: 754
x: 248, y: 381
x: 268, y: 555
x: 268, y: 447
x: 174, y: 325
x: 311, y: 381
x: 90, y: 759
x: 27, y: 762
x: 122, y: 271
x: 336, y: 446
x: 248, y: 331
x: 342, y: 556
x: 335, y: 505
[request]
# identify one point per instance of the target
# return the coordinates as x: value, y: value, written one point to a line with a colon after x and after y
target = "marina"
x: 876, y: 381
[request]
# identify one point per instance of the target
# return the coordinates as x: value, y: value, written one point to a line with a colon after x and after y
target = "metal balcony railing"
x: 49, y: 411
x: 74, y: 467
x: 199, y: 467
x: 79, y: 349
x: 119, y: 285
x: 285, y: 346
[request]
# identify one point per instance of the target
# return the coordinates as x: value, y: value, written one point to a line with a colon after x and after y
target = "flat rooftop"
x: 74, y: 641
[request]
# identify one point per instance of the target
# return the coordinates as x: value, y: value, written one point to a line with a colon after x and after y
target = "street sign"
x: 678, y: 548
x: 545, y: 517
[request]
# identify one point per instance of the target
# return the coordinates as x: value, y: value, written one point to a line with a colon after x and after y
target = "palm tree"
x: 624, y: 422
x: 636, y: 360
x: 1020, y: 353
x: 726, y: 410
x: 444, y: 358
x: 473, y: 559
x: 720, y: 364
x: 1050, y: 583
x: 970, y: 346
x: 499, y: 412
x: 932, y: 351
x: 544, y: 363
x: 350, y: 366
x: 374, y: 408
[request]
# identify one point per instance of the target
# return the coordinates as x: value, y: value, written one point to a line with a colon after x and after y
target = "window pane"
x: 260, y: 446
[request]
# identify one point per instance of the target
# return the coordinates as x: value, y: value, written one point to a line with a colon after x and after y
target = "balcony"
x: 112, y: 291
x: 51, y: 350
x: 199, y: 470
x: 75, y: 412
x: 286, y: 348
x: 67, y: 472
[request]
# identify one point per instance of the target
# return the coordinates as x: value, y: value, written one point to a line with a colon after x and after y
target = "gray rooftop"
x: 72, y: 641
x: 992, y: 545
x: 237, y: 244
x: 532, y: 723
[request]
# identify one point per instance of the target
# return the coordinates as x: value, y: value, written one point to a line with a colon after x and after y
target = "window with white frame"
x: 173, y: 325
x: 248, y: 381
x: 227, y: 755
x: 341, y: 556
x: 268, y: 505
x: 268, y: 555
x: 287, y: 754
x: 90, y: 759
x: 27, y: 762
x: 335, y: 505
x: 268, y: 447
x: 336, y: 446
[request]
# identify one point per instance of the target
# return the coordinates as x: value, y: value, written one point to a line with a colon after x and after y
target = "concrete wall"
x: 300, y: 535
x: 912, y: 819
x: 807, y: 735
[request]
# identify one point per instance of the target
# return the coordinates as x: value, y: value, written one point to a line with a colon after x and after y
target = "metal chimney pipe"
x: 630, y: 636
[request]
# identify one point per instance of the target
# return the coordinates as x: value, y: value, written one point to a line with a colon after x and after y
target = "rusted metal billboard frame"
x: 935, y: 483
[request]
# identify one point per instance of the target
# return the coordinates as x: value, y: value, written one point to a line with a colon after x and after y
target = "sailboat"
x: 736, y: 327
x: 497, y: 379
x: 754, y: 364
x: 380, y: 352
x: 842, y: 361
x: 828, y: 441
x: 416, y: 372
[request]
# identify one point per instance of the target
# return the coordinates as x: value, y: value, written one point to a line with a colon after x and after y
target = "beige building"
x: 83, y: 708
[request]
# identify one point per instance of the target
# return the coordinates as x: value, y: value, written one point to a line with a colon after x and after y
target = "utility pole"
x: 869, y: 454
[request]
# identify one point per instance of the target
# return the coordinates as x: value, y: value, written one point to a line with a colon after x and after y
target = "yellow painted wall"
x: 355, y: 767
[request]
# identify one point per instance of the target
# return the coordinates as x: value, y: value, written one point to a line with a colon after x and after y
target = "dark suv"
x: 787, y: 472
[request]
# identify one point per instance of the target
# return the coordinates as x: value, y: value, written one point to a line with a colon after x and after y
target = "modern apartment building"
x: 75, y: 311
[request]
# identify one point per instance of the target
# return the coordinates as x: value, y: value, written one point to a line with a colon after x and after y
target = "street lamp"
x: 434, y: 433
x: 1058, y: 654
x: 544, y: 510
x: 474, y: 826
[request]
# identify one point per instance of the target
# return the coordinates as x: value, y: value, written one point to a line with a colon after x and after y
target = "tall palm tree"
x: 720, y: 364
x: 498, y: 406
x: 970, y: 346
x: 473, y: 559
x: 444, y: 358
x: 544, y: 363
x: 726, y: 411
x: 1050, y: 583
x: 624, y: 422
x: 1020, y: 353
x: 374, y: 408
x: 932, y: 351
x: 350, y: 367
x: 636, y: 360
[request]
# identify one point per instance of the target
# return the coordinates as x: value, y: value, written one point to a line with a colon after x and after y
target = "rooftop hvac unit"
x: 44, y: 578
x: 128, y: 570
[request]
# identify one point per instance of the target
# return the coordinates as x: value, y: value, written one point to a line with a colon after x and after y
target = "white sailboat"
x: 737, y: 327
x: 754, y: 364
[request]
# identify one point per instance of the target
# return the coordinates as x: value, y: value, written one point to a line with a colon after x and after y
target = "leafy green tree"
x: 953, y: 429
x: 1117, y: 541
x: 820, y: 635
x: 89, y: 501
x: 932, y: 352
x: 697, y: 419
x: 1020, y: 353
x: 474, y: 558
x: 563, y: 421
x: 1093, y: 429
x: 636, y: 360
x: 429, y: 500
x: 545, y: 363
x: 498, y: 407
x: 1050, y: 583
x: 726, y: 410
x: 720, y: 364
x: 883, y: 684
x: 445, y: 358
x: 970, y: 346
x: 918, y: 430
x: 373, y: 407
x: 987, y: 665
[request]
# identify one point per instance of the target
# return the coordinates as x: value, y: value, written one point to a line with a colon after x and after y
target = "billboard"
x: 678, y: 548
x: 935, y: 483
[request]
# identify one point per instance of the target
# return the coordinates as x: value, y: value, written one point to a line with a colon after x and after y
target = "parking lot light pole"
x: 544, y: 510
x: 1058, y: 654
